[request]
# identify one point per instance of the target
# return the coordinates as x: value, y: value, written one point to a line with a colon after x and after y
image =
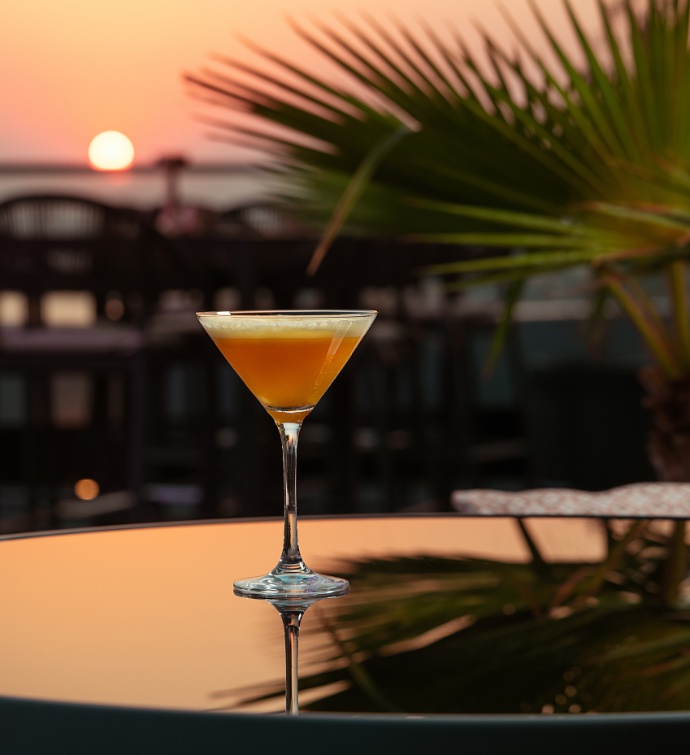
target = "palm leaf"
x: 600, y: 139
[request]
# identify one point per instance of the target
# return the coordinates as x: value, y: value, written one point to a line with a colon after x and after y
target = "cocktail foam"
x: 288, y: 325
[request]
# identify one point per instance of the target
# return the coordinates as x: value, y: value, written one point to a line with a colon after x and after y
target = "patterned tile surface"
x: 654, y: 500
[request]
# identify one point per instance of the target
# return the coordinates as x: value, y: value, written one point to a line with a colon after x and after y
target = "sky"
x: 78, y: 67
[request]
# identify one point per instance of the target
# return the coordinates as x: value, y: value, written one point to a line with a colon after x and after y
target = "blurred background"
x: 116, y: 407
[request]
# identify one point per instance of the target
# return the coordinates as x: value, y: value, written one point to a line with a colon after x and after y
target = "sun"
x: 111, y: 150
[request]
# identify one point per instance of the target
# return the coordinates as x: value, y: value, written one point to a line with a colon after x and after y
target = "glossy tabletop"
x: 446, y: 615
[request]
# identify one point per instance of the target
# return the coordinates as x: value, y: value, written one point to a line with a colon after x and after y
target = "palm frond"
x: 589, y: 150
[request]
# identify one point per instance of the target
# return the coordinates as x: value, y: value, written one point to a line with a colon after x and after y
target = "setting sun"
x: 111, y: 150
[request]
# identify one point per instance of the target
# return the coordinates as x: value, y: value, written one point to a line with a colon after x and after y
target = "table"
x: 131, y: 640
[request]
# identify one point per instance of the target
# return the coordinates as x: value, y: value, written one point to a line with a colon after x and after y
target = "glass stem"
x: 291, y: 622
x: 291, y: 559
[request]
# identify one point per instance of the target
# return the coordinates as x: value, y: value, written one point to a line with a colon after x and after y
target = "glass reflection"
x: 428, y: 634
x: 291, y: 612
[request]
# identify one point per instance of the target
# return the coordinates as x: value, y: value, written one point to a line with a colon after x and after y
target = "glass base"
x: 300, y: 585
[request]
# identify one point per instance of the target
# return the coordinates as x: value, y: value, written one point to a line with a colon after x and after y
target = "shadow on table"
x: 466, y: 635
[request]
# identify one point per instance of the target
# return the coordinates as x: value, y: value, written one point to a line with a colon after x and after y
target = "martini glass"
x: 288, y: 359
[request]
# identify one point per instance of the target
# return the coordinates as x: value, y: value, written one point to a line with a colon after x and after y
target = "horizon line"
x: 155, y: 167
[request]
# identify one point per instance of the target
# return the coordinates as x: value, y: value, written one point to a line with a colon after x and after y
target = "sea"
x: 214, y: 186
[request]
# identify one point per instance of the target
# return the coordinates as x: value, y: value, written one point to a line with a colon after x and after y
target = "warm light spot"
x: 114, y: 308
x: 111, y: 150
x: 86, y: 489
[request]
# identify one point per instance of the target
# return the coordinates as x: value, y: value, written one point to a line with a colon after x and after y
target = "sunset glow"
x: 111, y: 150
x: 131, y: 78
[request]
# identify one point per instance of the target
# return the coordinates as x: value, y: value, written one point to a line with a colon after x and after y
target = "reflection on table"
x: 446, y: 615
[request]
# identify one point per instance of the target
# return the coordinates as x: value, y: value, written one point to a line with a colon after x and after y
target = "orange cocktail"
x: 288, y: 359
x: 289, y: 372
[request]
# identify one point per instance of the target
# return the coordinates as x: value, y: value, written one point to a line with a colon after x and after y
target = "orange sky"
x: 75, y: 68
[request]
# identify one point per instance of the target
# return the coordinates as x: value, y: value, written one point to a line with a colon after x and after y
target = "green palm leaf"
x: 574, y: 159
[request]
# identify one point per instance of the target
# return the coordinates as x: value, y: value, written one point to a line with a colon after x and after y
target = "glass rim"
x: 290, y: 313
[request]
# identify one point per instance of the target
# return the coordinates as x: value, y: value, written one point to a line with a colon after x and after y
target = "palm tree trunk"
x: 669, y: 438
x: 669, y: 453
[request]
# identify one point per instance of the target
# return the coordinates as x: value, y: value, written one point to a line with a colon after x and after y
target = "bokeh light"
x: 86, y: 489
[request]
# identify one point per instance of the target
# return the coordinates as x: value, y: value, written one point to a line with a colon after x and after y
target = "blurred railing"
x: 410, y: 418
